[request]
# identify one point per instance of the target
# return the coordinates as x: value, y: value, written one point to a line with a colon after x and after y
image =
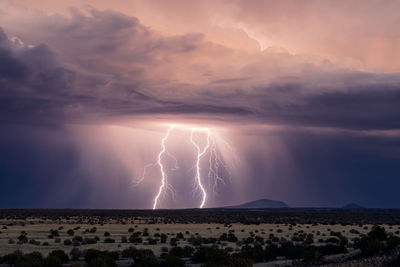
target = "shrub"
x: 128, y: 252
x: 255, y: 253
x: 163, y: 238
x: 332, y: 249
x: 75, y: 254
x: 89, y: 240
x: 211, y: 255
x: 332, y: 240
x: 177, y: 251
x: 144, y: 258
x: 54, y: 232
x: 60, y: 254
x: 239, y: 262
x: 95, y: 258
x: 392, y: 242
x: 70, y: 232
x: 106, y: 233
x: 134, y: 238
x: 173, y: 242
x: 22, y: 239
x: 51, y: 261
x: 369, y: 246
x: 171, y: 260
x: 67, y: 242
x: 377, y: 232
x: 109, y: 240
x: 77, y: 238
x: 271, y: 252
x: 188, y: 251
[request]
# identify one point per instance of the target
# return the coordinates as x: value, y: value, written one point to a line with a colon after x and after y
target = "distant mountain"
x: 260, y: 204
x: 352, y: 206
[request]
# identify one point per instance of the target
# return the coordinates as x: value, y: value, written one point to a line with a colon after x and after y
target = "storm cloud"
x: 103, y: 66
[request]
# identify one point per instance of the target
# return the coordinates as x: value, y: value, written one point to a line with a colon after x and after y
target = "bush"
x: 51, y: 261
x: 255, y: 253
x: 89, y: 240
x: 171, y: 260
x: 142, y: 257
x: 188, y: 251
x: 163, y: 238
x: 22, y: 239
x: 392, y: 242
x: 99, y: 258
x: 173, y: 242
x: 109, y: 240
x: 332, y: 249
x: 369, y: 246
x: 134, y: 238
x: 271, y: 252
x: 377, y: 232
x: 106, y: 233
x: 60, y: 254
x: 332, y: 240
x: 18, y: 259
x: 67, y: 242
x: 75, y: 254
x: 177, y: 251
x: 239, y: 262
x: 54, y: 232
x: 211, y: 255
x: 70, y: 232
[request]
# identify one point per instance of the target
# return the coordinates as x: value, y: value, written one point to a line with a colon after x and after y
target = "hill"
x: 352, y: 206
x: 260, y: 204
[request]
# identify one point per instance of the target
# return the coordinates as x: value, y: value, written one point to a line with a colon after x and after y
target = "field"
x: 230, y: 230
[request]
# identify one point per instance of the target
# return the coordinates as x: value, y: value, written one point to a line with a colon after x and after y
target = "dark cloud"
x: 104, y: 64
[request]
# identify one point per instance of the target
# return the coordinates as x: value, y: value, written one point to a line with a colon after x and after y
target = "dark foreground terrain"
x: 207, y: 237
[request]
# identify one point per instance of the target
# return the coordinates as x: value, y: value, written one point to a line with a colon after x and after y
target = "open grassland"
x: 277, y: 237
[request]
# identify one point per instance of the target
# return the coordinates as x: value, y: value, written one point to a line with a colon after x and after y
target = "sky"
x: 299, y: 101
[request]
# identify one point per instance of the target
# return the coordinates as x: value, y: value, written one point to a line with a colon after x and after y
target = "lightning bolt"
x: 200, y: 154
x: 164, y: 176
x: 215, y: 164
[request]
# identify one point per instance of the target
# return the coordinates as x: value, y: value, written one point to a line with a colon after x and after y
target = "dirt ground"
x: 39, y: 230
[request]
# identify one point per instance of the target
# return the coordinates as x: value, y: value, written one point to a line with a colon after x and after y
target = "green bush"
x: 377, y: 232
x: 177, y: 251
x: 101, y: 258
x: 70, y: 232
x: 145, y: 258
x: 255, y: 253
x: 211, y: 255
x: 369, y: 246
x: 171, y: 260
x: 392, y: 242
x: 52, y: 261
x: 60, y: 254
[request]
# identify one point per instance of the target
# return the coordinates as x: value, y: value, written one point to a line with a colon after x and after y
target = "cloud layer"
x: 315, y: 72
